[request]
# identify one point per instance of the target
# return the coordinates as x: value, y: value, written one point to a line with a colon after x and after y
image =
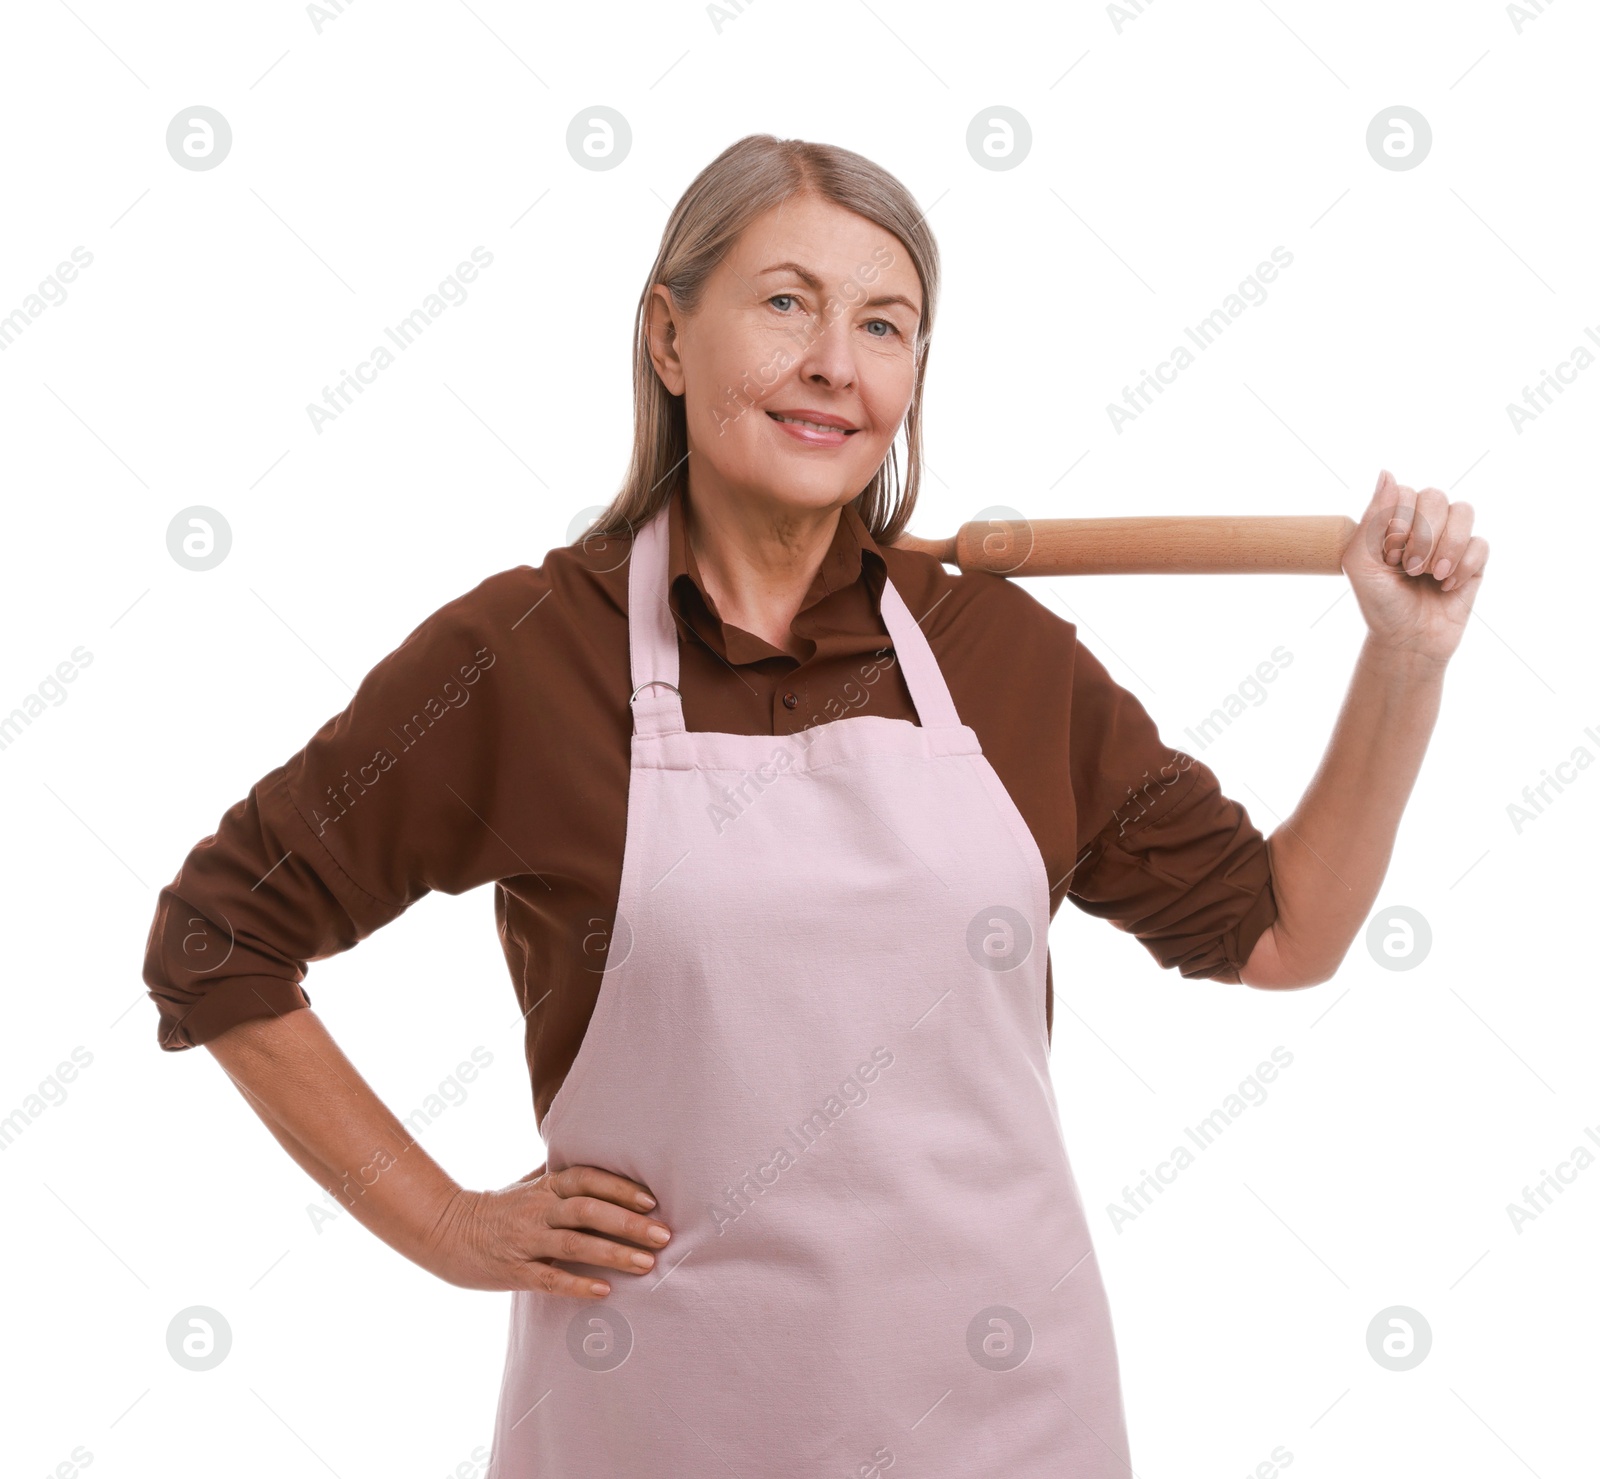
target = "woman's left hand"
x: 1416, y: 566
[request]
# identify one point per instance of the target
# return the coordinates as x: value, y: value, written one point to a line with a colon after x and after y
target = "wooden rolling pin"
x: 1181, y: 544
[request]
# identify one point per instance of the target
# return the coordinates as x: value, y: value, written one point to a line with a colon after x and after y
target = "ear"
x: 661, y: 334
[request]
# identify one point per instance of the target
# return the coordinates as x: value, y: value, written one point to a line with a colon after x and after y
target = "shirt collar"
x: 854, y: 556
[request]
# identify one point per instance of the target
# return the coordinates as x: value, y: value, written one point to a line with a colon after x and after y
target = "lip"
x: 839, y: 433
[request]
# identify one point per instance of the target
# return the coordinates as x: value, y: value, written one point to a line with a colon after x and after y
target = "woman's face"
x: 813, y: 313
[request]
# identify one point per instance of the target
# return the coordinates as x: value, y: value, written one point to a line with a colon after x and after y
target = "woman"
x: 778, y: 815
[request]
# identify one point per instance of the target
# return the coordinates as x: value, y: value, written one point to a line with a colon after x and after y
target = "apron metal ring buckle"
x: 662, y: 681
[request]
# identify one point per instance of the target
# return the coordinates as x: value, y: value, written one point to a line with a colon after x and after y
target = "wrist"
x: 1405, y: 664
x: 441, y: 1209
x: 404, y: 1199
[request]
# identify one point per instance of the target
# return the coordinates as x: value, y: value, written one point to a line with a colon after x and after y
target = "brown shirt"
x: 492, y: 746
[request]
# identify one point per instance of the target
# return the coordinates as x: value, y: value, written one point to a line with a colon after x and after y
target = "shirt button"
x: 791, y: 700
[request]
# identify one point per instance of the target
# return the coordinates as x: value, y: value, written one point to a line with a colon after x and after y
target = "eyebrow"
x: 812, y: 281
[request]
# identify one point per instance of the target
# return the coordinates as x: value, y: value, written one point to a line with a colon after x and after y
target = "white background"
x: 1171, y: 152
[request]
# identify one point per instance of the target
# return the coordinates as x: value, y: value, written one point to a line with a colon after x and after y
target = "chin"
x: 811, y: 495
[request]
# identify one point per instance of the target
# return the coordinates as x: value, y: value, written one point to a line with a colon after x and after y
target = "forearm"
x: 329, y: 1119
x: 1330, y: 855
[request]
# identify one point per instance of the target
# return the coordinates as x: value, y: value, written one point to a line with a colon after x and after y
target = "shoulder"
x: 532, y: 607
x: 979, y: 608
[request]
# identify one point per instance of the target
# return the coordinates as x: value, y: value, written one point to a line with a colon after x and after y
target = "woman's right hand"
x: 508, y: 1239
x: 326, y: 1115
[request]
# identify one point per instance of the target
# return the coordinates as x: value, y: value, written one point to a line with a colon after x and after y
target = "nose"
x: 829, y: 356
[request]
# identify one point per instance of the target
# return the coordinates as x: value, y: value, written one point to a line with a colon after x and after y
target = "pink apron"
x: 820, y: 1041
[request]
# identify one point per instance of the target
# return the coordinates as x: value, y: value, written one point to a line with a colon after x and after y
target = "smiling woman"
x: 818, y: 799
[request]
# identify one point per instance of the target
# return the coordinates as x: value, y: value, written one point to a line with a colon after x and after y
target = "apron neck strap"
x: 653, y: 644
x: 929, y: 692
x: 652, y: 633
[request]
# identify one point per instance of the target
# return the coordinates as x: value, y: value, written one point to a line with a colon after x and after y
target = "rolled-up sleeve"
x: 1162, y: 852
x: 380, y: 807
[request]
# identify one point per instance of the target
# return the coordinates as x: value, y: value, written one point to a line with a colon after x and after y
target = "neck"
x: 757, y: 560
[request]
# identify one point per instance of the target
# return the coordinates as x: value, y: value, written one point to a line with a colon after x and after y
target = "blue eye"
x: 794, y: 298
